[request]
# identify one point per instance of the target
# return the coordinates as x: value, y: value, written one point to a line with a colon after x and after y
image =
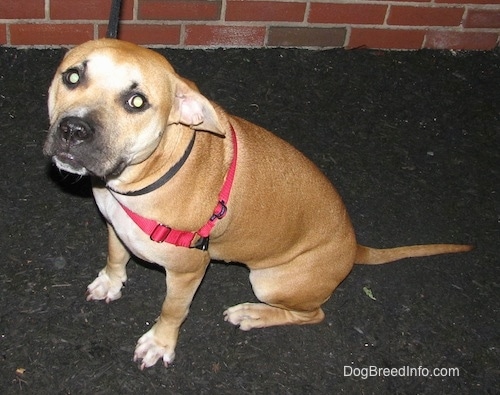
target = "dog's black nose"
x: 75, y: 130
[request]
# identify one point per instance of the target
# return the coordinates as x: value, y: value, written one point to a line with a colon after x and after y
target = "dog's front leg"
x: 161, y: 339
x: 110, y: 280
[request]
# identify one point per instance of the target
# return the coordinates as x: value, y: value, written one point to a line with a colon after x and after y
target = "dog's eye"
x: 72, y: 77
x: 137, y: 102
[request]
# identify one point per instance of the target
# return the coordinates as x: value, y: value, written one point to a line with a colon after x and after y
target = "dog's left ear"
x: 191, y: 108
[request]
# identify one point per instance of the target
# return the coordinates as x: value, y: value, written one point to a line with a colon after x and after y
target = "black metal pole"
x: 114, y: 18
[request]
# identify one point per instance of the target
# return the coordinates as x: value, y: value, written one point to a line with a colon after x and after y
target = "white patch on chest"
x: 130, y: 234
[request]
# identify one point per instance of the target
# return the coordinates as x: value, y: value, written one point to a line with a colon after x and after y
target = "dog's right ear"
x: 193, y: 109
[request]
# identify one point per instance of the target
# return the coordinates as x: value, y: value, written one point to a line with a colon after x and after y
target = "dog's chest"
x: 129, y: 233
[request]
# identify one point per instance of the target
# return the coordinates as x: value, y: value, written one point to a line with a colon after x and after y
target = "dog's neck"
x: 192, y: 192
x: 171, y: 172
x: 157, y: 169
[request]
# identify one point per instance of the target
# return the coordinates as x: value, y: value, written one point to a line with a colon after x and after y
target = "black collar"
x: 163, y: 179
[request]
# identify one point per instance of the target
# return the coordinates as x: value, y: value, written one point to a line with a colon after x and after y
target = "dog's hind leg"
x: 292, y: 294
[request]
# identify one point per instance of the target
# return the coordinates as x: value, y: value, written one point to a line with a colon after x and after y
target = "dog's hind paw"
x: 148, y: 351
x: 246, y: 316
x: 105, y: 288
x: 260, y: 315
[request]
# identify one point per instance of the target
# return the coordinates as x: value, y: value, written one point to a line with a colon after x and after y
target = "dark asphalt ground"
x: 412, y: 142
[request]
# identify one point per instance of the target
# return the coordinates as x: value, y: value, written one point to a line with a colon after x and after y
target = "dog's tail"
x: 376, y: 256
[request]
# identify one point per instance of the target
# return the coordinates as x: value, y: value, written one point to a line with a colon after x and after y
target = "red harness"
x: 162, y: 233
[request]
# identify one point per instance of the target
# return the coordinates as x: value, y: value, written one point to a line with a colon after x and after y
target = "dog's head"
x: 111, y: 102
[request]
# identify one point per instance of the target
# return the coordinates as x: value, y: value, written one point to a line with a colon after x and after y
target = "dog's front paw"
x: 105, y: 288
x: 148, y: 351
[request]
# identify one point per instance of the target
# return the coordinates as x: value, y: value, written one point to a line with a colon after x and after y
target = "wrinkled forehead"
x: 115, y: 65
x: 104, y: 69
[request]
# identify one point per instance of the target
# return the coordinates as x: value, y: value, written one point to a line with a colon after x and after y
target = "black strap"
x: 114, y: 18
x: 166, y: 177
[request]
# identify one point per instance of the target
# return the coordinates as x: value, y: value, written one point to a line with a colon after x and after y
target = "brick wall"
x: 387, y: 24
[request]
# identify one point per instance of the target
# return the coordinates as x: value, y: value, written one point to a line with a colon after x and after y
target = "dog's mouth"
x: 82, y: 160
x: 79, y: 146
x: 67, y: 162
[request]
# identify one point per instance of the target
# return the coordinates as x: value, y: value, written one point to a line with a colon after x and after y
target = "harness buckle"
x: 160, y: 233
x: 219, y: 211
x: 202, y: 244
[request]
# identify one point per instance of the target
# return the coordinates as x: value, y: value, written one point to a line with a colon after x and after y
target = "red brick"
x: 482, y: 18
x: 386, y: 38
x: 74, y: 9
x: 147, y: 34
x: 437, y: 39
x: 179, y: 10
x: 306, y: 37
x: 93, y: 9
x: 3, y: 34
x: 22, y: 9
x: 265, y: 11
x: 127, y: 12
x: 347, y: 13
x: 44, y: 34
x: 425, y: 16
x: 468, y: 1
x: 205, y: 35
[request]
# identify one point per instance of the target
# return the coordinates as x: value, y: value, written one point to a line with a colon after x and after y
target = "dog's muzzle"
x: 74, y: 130
x: 65, y: 144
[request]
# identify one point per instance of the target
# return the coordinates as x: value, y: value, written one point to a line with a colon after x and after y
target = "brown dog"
x: 180, y: 181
